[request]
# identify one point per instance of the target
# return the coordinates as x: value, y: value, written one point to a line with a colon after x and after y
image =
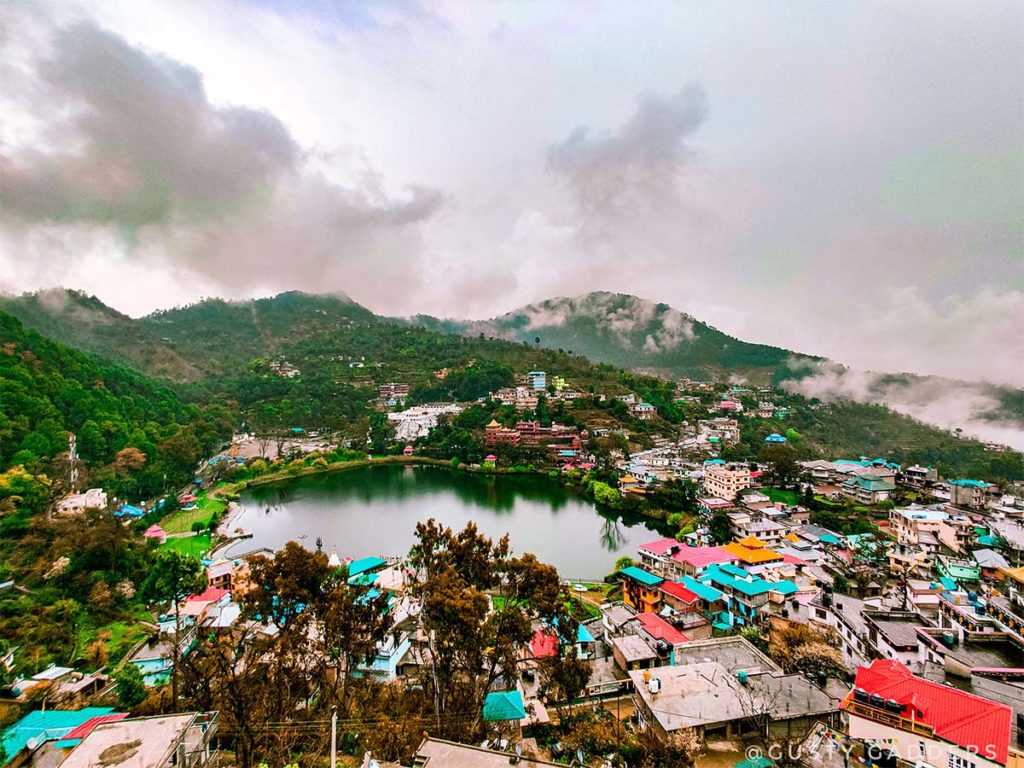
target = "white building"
x: 76, y: 503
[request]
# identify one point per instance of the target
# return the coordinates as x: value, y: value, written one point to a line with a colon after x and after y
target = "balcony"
x: 890, y: 719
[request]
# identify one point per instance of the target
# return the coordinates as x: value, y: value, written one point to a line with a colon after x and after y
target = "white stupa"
x: 334, y: 561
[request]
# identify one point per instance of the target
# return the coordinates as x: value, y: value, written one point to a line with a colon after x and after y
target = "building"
x: 644, y: 411
x: 867, y: 489
x: 725, y: 483
x: 76, y: 503
x: 537, y: 380
x: 917, y: 476
x: 495, y: 435
x: 969, y: 493
x: 641, y: 590
x: 437, y: 753
x: 920, y: 721
x: 724, y: 689
x: 182, y: 741
x: 393, y: 393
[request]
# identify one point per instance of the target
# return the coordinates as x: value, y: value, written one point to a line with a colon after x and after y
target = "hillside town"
x: 797, y: 610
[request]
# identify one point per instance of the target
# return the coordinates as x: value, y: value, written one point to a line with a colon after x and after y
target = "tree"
x: 473, y: 640
x: 623, y: 562
x: 720, y: 527
x: 173, y: 577
x: 131, y: 686
x: 783, y: 466
x: 129, y: 460
x: 563, y: 676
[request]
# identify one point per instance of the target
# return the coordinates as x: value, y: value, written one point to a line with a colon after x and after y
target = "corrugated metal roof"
x: 961, y: 718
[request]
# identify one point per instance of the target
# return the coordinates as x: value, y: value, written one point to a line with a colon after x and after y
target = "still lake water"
x: 374, y: 511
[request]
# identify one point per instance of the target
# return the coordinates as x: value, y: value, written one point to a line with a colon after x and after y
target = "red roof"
x: 660, y: 629
x: 544, y: 643
x: 793, y: 559
x: 960, y: 718
x: 678, y: 590
x: 87, y: 727
x: 208, y: 595
x: 698, y: 557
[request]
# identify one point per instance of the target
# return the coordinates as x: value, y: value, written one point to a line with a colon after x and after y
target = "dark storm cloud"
x: 134, y: 144
x: 638, y: 165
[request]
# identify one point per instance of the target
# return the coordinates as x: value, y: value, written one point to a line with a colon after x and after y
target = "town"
x: 786, y: 609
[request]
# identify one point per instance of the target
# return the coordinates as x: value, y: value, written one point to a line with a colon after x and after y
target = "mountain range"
x: 213, y: 337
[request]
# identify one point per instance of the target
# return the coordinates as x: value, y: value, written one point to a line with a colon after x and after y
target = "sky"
x: 843, y: 179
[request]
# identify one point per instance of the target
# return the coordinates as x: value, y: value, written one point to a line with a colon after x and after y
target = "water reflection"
x: 374, y: 510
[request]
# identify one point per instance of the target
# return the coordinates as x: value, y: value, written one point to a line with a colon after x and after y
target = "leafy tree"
x: 473, y: 640
x: 623, y: 562
x: 131, y: 686
x: 172, y: 577
x: 720, y: 527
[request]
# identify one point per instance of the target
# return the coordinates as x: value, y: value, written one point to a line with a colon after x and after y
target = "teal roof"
x: 989, y: 540
x: 947, y: 583
x: 870, y: 483
x: 638, y: 574
x: 583, y: 635
x: 714, y: 461
x: 504, y: 705
x: 46, y: 726
x: 760, y: 761
x: 969, y: 483
x: 365, y: 564
x: 740, y: 581
x: 829, y: 538
x: 703, y: 591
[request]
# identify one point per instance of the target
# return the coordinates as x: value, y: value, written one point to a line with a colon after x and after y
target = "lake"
x: 374, y: 511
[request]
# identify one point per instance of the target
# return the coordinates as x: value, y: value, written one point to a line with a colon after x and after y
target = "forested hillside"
x: 48, y: 391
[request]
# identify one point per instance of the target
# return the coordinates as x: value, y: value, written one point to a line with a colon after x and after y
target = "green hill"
x: 629, y: 332
x: 48, y: 390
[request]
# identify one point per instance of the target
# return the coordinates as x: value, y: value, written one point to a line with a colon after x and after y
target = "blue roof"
x: 703, y: 591
x: 365, y: 564
x: 129, y: 511
x: 46, y: 726
x: 775, y: 438
x: 638, y: 574
x: 504, y: 705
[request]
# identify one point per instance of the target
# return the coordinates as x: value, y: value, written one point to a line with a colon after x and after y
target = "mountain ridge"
x: 213, y: 336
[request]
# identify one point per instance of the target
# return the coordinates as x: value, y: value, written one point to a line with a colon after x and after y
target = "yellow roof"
x: 752, y: 542
x: 627, y: 479
x: 792, y: 537
x: 752, y: 555
x: 494, y: 423
x: 1017, y: 574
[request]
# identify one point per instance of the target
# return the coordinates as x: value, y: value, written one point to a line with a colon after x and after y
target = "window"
x: 955, y: 761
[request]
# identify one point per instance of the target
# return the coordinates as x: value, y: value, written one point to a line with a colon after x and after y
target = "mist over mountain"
x: 634, y: 333
x: 214, y: 336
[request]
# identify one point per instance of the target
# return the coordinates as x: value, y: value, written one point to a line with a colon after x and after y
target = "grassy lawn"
x: 182, y: 522
x: 789, y: 498
x: 197, y: 546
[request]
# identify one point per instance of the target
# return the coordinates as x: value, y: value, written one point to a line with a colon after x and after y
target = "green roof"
x: 638, y: 574
x: 504, y: 705
x: 46, y: 726
x: 869, y: 483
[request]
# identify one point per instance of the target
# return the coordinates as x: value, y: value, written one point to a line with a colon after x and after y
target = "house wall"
x: 910, y: 746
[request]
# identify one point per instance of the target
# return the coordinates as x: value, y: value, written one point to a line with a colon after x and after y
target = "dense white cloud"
x: 842, y: 180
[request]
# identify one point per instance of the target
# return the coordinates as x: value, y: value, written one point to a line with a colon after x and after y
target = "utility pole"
x: 334, y: 737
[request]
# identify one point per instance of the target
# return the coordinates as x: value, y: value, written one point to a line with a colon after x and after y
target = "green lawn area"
x: 181, y: 521
x: 197, y: 546
x: 789, y: 498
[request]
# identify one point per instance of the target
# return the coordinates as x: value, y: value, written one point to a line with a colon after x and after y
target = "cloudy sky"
x: 841, y: 178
